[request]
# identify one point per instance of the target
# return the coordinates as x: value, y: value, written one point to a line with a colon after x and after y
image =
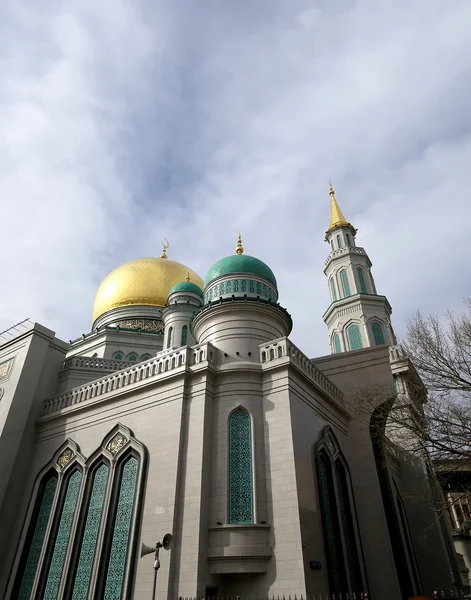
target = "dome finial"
x: 331, y: 190
x: 187, y: 278
x: 165, y: 247
x: 336, y: 214
x: 239, y: 247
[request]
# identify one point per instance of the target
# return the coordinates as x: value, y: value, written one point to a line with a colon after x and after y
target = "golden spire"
x: 187, y: 278
x: 336, y: 214
x: 165, y: 247
x: 239, y: 247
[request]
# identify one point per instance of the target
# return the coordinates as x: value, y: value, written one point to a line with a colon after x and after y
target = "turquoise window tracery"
x: 378, y: 334
x: 132, y: 357
x: 337, y: 347
x: 339, y: 241
x: 44, y: 503
x: 62, y: 538
x: 121, y: 531
x: 240, y: 468
x: 361, y: 281
x: 342, y: 545
x: 345, y: 283
x: 347, y: 236
x: 354, y: 337
x: 90, y: 534
x: 53, y: 537
x: 334, y: 289
x: 118, y: 356
x: 184, y: 335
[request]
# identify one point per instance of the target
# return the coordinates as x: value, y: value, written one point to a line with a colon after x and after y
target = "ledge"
x: 239, y: 549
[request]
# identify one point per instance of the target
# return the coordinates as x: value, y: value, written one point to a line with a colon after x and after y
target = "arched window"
x: 145, y: 357
x: 63, y: 523
x: 378, y: 334
x: 339, y: 241
x: 59, y: 555
x: 240, y: 468
x: 342, y: 544
x: 332, y: 245
x: 330, y: 520
x: 334, y: 289
x: 35, y: 537
x: 117, y: 356
x: 345, y: 283
x: 132, y: 356
x: 347, y: 237
x: 89, y: 537
x: 337, y: 347
x: 361, y: 280
x: 184, y: 334
x: 354, y: 337
x: 396, y: 384
x: 170, y: 336
x: 116, y: 547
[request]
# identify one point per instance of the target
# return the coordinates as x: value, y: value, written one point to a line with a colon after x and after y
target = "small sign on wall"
x: 315, y: 565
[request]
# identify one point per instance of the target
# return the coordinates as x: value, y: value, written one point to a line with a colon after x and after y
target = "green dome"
x: 186, y: 286
x: 239, y: 263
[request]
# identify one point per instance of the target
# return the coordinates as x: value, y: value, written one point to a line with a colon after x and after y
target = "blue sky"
x: 126, y: 122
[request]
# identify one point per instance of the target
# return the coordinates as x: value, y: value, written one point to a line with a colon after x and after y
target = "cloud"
x: 123, y: 123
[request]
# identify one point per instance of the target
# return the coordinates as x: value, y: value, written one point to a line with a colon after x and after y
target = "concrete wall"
x: 36, y: 356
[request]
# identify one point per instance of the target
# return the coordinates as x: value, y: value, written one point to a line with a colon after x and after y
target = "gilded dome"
x: 146, y: 281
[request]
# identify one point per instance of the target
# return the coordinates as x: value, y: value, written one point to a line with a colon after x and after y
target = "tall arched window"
x: 240, y: 468
x: 170, y: 336
x: 117, y: 548
x: 345, y: 283
x: 337, y: 347
x: 347, y: 237
x: 94, y: 507
x: 334, y: 289
x: 184, y: 334
x: 354, y: 337
x: 361, y: 281
x: 378, y: 334
x: 339, y: 241
x: 341, y: 540
x: 332, y: 245
x: 63, y: 522
x: 35, y: 537
x: 59, y: 557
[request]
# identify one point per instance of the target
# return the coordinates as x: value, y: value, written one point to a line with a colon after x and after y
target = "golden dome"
x: 146, y: 281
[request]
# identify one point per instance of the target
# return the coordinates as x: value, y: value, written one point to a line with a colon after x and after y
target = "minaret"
x: 357, y: 317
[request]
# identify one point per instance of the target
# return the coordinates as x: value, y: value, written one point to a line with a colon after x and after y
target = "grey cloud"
x: 126, y: 123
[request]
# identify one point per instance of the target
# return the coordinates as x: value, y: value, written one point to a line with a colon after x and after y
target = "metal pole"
x: 156, y: 567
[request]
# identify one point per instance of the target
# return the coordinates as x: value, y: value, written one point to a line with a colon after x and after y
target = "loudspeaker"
x: 146, y: 550
x: 167, y: 541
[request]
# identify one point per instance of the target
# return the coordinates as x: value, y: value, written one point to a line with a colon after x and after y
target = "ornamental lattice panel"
x: 38, y: 539
x: 240, y: 468
x: 90, y: 534
x: 120, y: 542
x: 63, y: 536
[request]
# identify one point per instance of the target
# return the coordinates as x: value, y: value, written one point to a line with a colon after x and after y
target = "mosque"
x: 188, y: 410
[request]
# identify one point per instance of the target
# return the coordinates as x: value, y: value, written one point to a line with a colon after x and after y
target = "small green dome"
x: 239, y: 263
x: 186, y: 286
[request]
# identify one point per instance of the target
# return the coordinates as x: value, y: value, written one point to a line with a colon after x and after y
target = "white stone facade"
x: 312, y: 513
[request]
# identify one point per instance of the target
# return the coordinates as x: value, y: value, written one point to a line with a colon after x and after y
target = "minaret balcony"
x: 343, y: 251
